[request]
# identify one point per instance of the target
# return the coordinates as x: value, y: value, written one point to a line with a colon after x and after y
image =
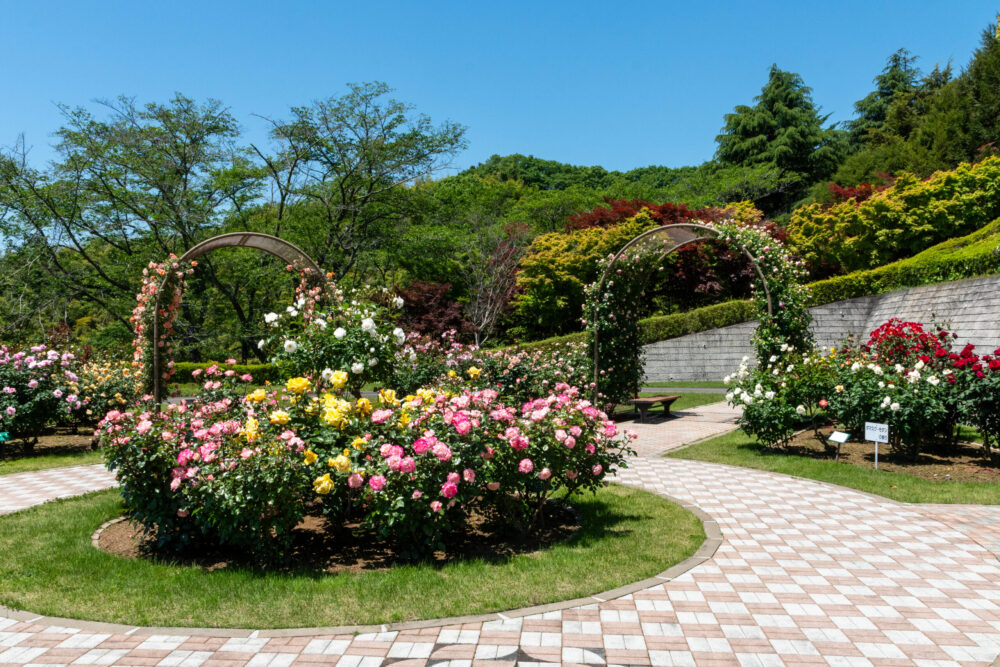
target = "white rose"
x: 373, y: 361
x: 356, y: 368
x: 400, y: 335
x: 368, y: 325
x: 398, y: 302
x: 260, y: 344
x: 729, y: 397
x: 894, y: 407
x: 291, y: 346
x: 339, y: 333
x: 748, y: 399
x: 933, y: 381
x: 327, y: 374
x: 301, y: 302
x: 919, y: 365
x: 271, y: 318
x: 801, y: 409
x: 413, y: 355
x: 727, y: 379
x: 291, y: 311
x: 321, y: 323
x: 769, y: 395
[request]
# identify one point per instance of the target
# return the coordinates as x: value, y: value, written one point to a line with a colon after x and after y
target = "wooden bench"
x: 644, y: 404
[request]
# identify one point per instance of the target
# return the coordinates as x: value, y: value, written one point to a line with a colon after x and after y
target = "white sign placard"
x: 839, y: 437
x: 876, y: 432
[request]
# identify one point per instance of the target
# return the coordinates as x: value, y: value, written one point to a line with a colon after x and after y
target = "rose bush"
x: 243, y: 470
x: 35, y: 390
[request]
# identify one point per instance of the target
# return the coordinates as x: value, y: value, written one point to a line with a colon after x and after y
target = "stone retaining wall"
x: 970, y: 308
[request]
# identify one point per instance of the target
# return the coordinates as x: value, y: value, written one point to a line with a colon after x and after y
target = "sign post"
x: 840, y: 438
x: 876, y: 433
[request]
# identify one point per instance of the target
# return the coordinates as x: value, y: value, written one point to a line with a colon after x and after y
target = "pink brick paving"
x: 807, y: 574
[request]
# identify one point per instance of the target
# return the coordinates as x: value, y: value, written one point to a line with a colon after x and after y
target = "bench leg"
x: 643, y: 409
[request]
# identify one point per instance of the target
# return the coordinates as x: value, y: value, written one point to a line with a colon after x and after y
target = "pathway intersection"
x: 806, y: 573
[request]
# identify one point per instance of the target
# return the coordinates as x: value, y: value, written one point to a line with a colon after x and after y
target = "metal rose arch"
x: 674, y: 237
x: 273, y: 245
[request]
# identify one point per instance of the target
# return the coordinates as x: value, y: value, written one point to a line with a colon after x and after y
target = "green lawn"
x: 48, y: 566
x: 41, y: 461
x: 739, y: 449
x: 681, y: 383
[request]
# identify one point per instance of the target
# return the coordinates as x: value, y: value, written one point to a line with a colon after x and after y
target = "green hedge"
x: 655, y: 329
x: 261, y: 372
x: 977, y: 254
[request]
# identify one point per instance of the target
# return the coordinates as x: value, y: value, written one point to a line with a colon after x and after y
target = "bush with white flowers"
x: 351, y: 333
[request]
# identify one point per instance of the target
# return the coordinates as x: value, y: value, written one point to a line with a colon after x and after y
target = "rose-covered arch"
x: 154, y: 320
x: 779, y: 299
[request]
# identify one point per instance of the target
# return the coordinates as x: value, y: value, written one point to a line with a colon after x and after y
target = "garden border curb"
x: 713, y: 539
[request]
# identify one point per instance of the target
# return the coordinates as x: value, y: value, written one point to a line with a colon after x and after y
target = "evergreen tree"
x: 982, y: 84
x: 898, y: 79
x: 783, y: 129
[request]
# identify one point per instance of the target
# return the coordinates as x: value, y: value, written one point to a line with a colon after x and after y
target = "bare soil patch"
x: 319, y: 547
x: 963, y: 462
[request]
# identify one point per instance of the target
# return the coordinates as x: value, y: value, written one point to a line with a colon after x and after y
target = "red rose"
x: 823, y: 403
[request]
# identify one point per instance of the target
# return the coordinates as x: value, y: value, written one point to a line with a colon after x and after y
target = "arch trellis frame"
x: 272, y: 245
x: 682, y: 234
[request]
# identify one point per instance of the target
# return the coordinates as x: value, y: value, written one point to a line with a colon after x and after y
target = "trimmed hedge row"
x: 261, y: 372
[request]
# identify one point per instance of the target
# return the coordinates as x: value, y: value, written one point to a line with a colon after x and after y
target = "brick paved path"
x: 807, y: 574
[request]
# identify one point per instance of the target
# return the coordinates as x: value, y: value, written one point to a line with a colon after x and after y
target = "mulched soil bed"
x: 966, y: 462
x: 316, y: 548
x: 60, y: 440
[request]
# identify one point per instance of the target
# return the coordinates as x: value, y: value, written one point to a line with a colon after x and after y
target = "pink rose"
x: 597, y: 470
x: 442, y: 451
x: 380, y: 416
x: 385, y: 450
x: 355, y: 480
x: 571, y: 474
x: 525, y: 466
x: 407, y: 465
x: 560, y: 435
x: 449, y: 490
x: 575, y: 431
x: 183, y: 513
x: 570, y: 442
x: 417, y: 494
x: 393, y: 462
x: 469, y: 475
x: 421, y: 445
x: 377, y: 483
x: 544, y: 474
x: 591, y: 448
x: 436, y: 505
x: 175, y: 484
x: 453, y: 477
x: 493, y: 486
x: 463, y: 426
x: 144, y: 426
x: 184, y: 457
x: 246, y: 453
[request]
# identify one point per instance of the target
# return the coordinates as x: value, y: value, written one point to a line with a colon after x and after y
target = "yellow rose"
x: 256, y: 396
x: 388, y: 397
x: 359, y: 443
x: 323, y: 485
x: 474, y: 373
x: 452, y: 374
x: 310, y: 457
x: 404, y: 418
x: 250, y: 430
x: 298, y: 385
x: 338, y: 379
x: 341, y: 464
x: 279, y: 417
x: 364, y: 406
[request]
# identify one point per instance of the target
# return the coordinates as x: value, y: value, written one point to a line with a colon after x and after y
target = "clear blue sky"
x: 620, y: 84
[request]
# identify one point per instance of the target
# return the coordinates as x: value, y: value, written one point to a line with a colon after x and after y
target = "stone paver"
x: 24, y: 489
x: 807, y: 574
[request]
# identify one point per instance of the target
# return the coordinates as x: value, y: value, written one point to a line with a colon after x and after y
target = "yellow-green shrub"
x: 900, y: 221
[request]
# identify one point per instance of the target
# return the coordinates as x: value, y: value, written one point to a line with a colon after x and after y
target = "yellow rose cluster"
x: 256, y: 396
x: 341, y: 463
x: 335, y: 412
x: 251, y: 430
x: 323, y: 485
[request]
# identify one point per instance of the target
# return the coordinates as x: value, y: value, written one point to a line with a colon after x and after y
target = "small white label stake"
x: 876, y: 433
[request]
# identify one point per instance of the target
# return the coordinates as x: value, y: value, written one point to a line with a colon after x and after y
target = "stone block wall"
x: 970, y: 308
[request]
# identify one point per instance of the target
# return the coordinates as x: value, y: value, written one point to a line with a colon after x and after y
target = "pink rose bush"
x: 37, y: 386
